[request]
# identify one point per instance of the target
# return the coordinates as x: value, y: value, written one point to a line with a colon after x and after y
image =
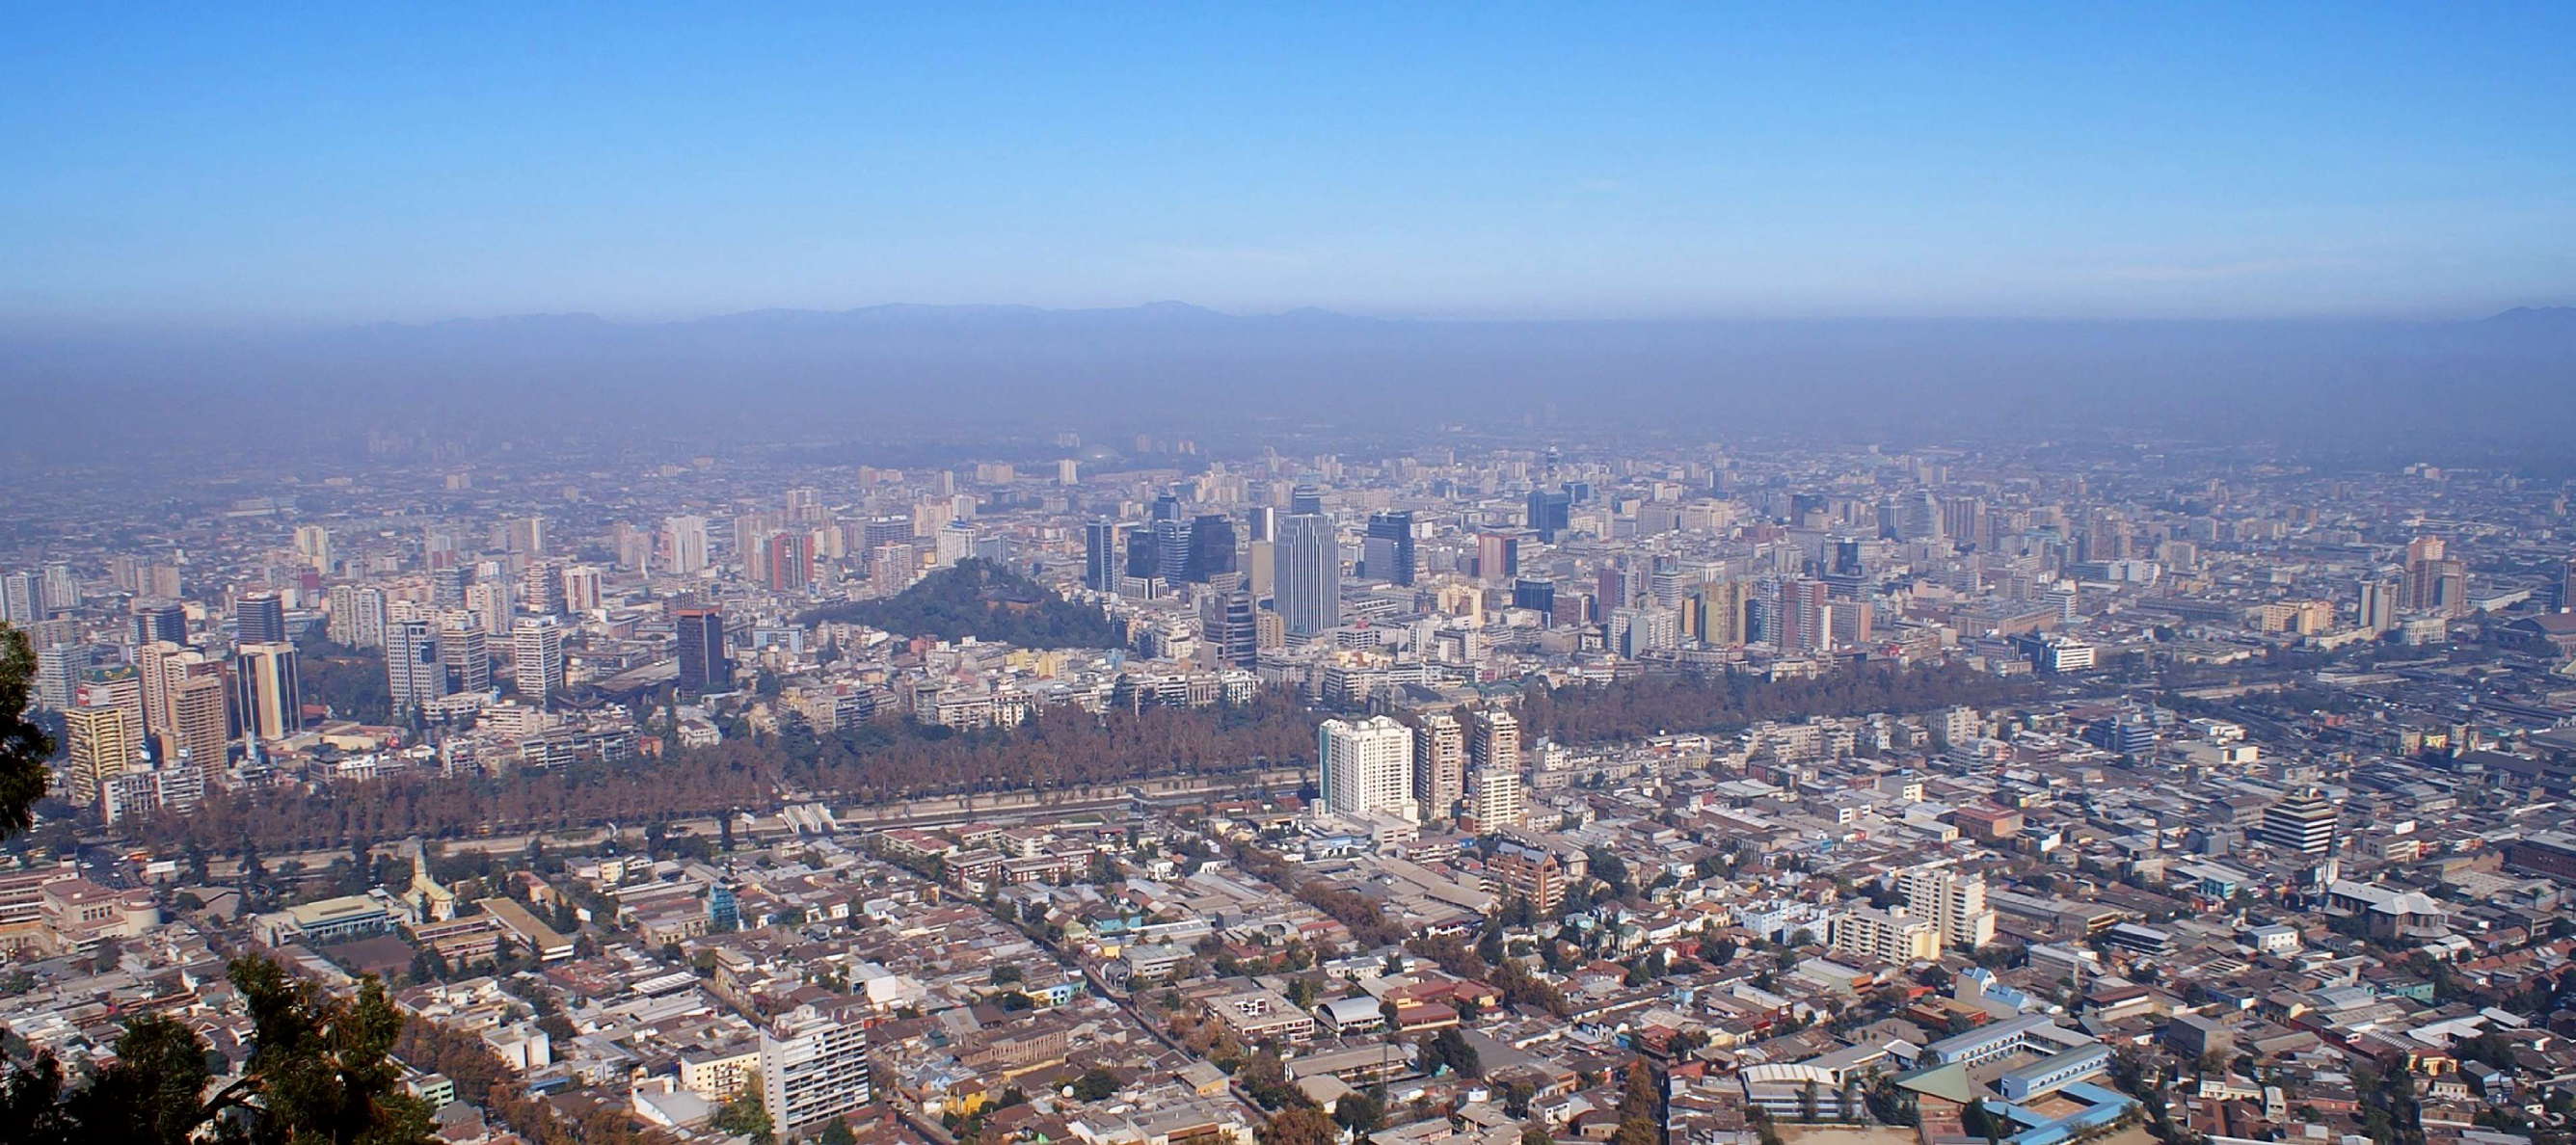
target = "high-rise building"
x: 1494, y: 739
x: 1535, y: 595
x: 789, y: 557
x: 268, y: 691
x: 582, y: 591
x: 447, y: 586
x: 465, y: 651
x: 1366, y: 768
x: 1803, y: 625
x: 701, y: 638
x: 1550, y: 513
x: 1308, y: 574
x: 1439, y: 764
x: 59, y: 667
x: 1387, y: 552
x: 1725, y: 613
x: 537, y: 660
x: 814, y: 1068
x: 259, y: 618
x: 1211, y: 548
x: 1498, y: 557
x: 22, y: 599
x: 1305, y: 501
x: 2302, y: 821
x: 357, y: 616
x: 1229, y: 621
x: 684, y: 544
x: 102, y: 742
x: 1103, y: 555
x: 61, y: 587
x: 313, y: 543
x: 1955, y: 902
x: 1496, y: 799
x: 1171, y: 536
x: 160, y: 620
x: 415, y: 669
x: 2435, y: 582
x: 2378, y: 606
x: 200, y: 720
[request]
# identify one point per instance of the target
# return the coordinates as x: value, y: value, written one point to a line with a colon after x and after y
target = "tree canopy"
x: 984, y: 600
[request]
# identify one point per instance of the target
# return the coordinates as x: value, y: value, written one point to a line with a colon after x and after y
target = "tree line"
x: 891, y: 759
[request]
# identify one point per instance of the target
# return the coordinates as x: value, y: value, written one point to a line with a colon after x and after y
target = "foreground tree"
x: 24, y: 747
x: 321, y: 1072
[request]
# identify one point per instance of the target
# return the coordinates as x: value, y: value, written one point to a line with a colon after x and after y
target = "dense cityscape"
x: 1506, y: 789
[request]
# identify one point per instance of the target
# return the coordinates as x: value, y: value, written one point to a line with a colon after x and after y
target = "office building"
x: 1366, y: 768
x: 1726, y: 613
x: 1387, y: 552
x: 165, y: 620
x: 701, y: 641
x: 268, y: 691
x: 1535, y: 595
x: 1498, y: 557
x: 1211, y: 548
x: 1229, y: 621
x: 1103, y: 555
x: 1550, y: 513
x: 1308, y: 574
x: 1305, y: 501
x: 2302, y: 821
x: 259, y: 618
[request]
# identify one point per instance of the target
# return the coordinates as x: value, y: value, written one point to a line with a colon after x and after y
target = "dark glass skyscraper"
x: 1550, y: 513
x: 1101, y: 556
x: 1387, y: 552
x: 1211, y: 552
x: 701, y: 634
x: 260, y: 619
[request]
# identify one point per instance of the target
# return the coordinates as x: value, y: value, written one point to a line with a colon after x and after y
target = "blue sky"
x: 421, y: 162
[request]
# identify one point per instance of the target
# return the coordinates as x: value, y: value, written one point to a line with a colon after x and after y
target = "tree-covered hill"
x: 984, y: 600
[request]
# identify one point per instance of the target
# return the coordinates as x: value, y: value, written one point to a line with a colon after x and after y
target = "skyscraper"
x: 22, y: 599
x: 1211, y: 550
x: 1228, y: 621
x: 1366, y: 768
x: 268, y: 690
x: 1102, y: 555
x: 259, y: 618
x: 1387, y: 552
x: 1550, y: 513
x: 1305, y: 500
x: 1724, y: 613
x: 1308, y: 574
x: 701, y: 638
x: 813, y: 1068
x: 1171, y: 548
